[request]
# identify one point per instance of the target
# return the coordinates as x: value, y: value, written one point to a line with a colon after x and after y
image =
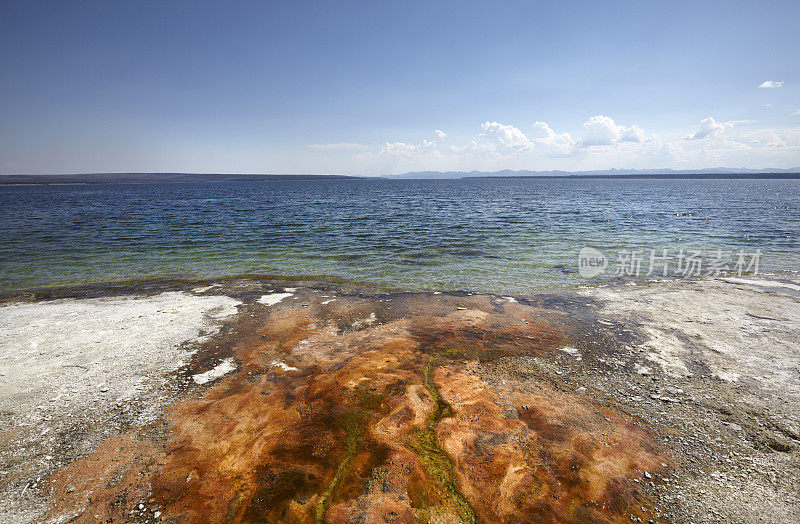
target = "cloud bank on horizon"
x: 603, y: 144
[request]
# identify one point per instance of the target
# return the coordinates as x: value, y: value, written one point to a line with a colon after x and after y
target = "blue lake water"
x: 497, y: 235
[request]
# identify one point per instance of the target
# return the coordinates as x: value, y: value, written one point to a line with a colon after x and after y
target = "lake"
x: 493, y: 235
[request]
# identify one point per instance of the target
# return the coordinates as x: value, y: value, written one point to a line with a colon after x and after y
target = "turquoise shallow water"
x: 495, y: 235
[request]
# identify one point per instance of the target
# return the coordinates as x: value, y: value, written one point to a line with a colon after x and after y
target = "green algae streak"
x: 436, y: 462
x: 355, y: 427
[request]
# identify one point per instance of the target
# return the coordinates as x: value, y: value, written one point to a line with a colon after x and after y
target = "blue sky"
x: 380, y: 87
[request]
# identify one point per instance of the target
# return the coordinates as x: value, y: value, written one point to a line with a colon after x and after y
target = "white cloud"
x: 796, y: 113
x: 769, y: 84
x: 709, y: 127
x: 603, y: 131
x: 428, y: 148
x: 398, y: 148
x: 402, y: 150
x: 337, y: 146
x: 496, y: 146
x: 509, y: 137
x: 600, y: 131
x: 633, y: 134
x: 543, y: 135
x: 763, y: 137
x: 542, y: 131
x: 772, y: 139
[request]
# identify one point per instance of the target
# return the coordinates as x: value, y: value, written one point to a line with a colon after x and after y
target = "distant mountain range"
x: 150, y: 178
x: 717, y: 172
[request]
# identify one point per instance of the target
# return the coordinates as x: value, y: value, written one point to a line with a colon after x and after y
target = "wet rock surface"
x: 336, y: 404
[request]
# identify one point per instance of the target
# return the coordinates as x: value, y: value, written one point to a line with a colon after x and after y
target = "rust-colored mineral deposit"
x: 376, y: 410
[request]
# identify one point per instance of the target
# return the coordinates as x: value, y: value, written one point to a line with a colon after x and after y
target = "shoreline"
x: 155, y: 283
x: 697, y: 379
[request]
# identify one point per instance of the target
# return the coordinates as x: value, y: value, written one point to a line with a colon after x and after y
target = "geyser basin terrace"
x: 249, y: 400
